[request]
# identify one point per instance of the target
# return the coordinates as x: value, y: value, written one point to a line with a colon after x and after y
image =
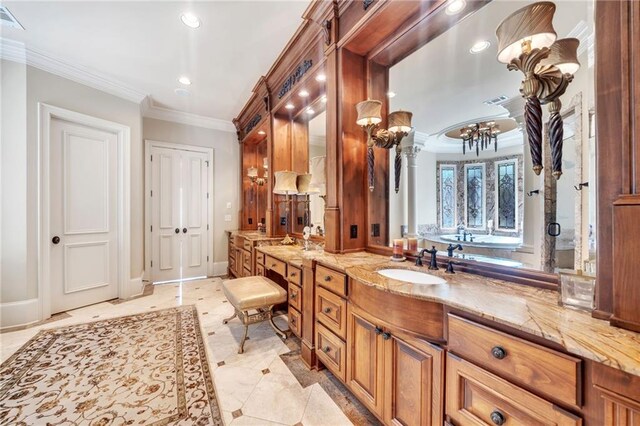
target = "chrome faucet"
x: 452, y: 248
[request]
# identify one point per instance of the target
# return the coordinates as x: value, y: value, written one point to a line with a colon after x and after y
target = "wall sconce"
x: 252, y: 173
x: 286, y: 185
x: 527, y: 42
x: 305, y: 188
x: 369, y: 118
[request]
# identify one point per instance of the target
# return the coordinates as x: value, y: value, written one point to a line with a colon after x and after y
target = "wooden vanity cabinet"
x: 619, y: 395
x: 294, y: 277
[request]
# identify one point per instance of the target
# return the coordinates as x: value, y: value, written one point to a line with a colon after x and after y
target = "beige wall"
x: 20, y: 167
x: 225, y: 168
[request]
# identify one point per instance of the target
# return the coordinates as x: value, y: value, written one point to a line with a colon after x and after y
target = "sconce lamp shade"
x: 533, y: 23
x: 304, y: 185
x: 564, y: 55
x: 252, y: 172
x: 265, y: 163
x: 369, y: 112
x: 318, y: 171
x: 400, y: 121
x: 285, y: 183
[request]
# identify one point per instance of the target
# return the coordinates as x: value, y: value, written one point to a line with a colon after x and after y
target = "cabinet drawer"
x: 295, y: 275
x: 246, y: 259
x: 331, y: 351
x: 331, y: 310
x: 295, y: 296
x: 332, y: 280
x: 277, y: 266
x: 260, y: 270
x: 295, y: 321
x: 475, y: 396
x: 259, y: 258
x: 232, y: 264
x: 549, y: 372
x: 248, y: 245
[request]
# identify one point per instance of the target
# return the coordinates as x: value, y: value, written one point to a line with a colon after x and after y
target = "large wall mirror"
x: 470, y: 151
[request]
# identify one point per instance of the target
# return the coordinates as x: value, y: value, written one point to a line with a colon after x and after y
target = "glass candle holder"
x: 398, y: 248
x: 577, y: 291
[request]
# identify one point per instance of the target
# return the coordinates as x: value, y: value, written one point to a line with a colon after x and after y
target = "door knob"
x: 184, y: 230
x: 55, y: 240
x: 177, y: 230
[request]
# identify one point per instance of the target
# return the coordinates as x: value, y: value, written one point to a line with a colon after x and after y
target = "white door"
x: 83, y: 215
x: 179, y: 211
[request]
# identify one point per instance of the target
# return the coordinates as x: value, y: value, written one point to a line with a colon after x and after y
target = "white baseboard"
x: 23, y: 312
x: 220, y: 268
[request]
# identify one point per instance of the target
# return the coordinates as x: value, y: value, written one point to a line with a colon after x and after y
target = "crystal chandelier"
x: 479, y: 135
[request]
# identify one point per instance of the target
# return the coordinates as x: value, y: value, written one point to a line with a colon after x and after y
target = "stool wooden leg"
x: 235, y: 314
x: 244, y: 338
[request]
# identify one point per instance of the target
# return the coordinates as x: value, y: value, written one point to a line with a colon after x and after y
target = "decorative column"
x: 411, y: 148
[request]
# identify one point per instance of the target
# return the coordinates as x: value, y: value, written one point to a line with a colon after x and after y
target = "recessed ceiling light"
x: 321, y: 77
x: 185, y: 80
x: 182, y: 92
x: 391, y: 94
x: 455, y: 6
x: 190, y: 20
x: 303, y: 93
x: 324, y: 99
x: 310, y: 111
x: 479, y: 46
x: 289, y: 106
x: 262, y: 132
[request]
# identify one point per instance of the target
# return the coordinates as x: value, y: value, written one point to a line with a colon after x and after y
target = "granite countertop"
x: 529, y: 309
x: 294, y: 255
x: 254, y: 236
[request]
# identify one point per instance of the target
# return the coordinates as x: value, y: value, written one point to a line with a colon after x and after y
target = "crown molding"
x: 17, y: 52
x: 151, y: 110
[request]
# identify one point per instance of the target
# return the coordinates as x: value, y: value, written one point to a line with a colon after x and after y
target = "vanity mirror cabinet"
x: 464, y: 160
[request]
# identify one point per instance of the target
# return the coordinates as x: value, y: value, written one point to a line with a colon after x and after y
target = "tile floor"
x: 255, y: 388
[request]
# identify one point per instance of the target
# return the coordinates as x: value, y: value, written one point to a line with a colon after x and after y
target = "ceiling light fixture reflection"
x: 185, y: 80
x: 289, y: 106
x: 303, y: 93
x: 479, y: 46
x: 321, y: 77
x: 310, y: 111
x: 262, y: 132
x: 190, y: 20
x: 324, y: 99
x: 455, y: 6
x: 391, y: 94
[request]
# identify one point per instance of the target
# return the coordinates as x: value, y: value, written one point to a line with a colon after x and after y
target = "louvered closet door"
x: 166, y: 233
x: 194, y: 214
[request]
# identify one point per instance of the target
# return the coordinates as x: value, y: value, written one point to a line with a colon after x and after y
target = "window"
x: 448, y: 194
x: 474, y: 195
x: 506, y: 195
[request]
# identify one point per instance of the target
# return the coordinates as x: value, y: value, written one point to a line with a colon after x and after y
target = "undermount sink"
x: 414, y: 277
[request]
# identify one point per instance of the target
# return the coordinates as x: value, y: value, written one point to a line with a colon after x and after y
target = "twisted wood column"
x: 533, y: 120
x: 556, y: 136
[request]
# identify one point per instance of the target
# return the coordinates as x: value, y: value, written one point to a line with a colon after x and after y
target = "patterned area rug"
x: 149, y: 368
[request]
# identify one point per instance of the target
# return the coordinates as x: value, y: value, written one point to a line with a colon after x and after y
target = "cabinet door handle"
x: 498, y: 352
x: 378, y: 331
x: 55, y: 240
x: 184, y: 230
x: 327, y: 310
x: 497, y: 418
x: 327, y: 278
x: 177, y: 230
x: 386, y: 335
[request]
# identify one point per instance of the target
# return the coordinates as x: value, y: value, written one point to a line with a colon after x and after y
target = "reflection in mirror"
x: 312, y: 188
x: 475, y: 182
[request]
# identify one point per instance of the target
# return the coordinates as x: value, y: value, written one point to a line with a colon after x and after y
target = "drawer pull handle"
x: 386, y: 336
x: 327, y: 278
x: 498, y: 352
x: 293, y: 321
x: 327, y: 310
x: 378, y: 331
x: 497, y: 418
x: 273, y: 265
x: 293, y: 274
x: 326, y: 349
x: 294, y: 295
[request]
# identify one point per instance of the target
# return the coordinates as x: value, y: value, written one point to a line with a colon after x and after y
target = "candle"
x: 398, y: 247
x: 412, y: 244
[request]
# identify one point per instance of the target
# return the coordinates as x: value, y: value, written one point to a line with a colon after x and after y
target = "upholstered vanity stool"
x: 257, y: 295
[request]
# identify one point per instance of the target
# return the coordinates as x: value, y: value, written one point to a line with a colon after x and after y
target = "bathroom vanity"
x: 414, y: 131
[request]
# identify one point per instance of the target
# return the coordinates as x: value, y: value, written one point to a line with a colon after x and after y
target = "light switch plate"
x: 227, y: 218
x: 228, y: 205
